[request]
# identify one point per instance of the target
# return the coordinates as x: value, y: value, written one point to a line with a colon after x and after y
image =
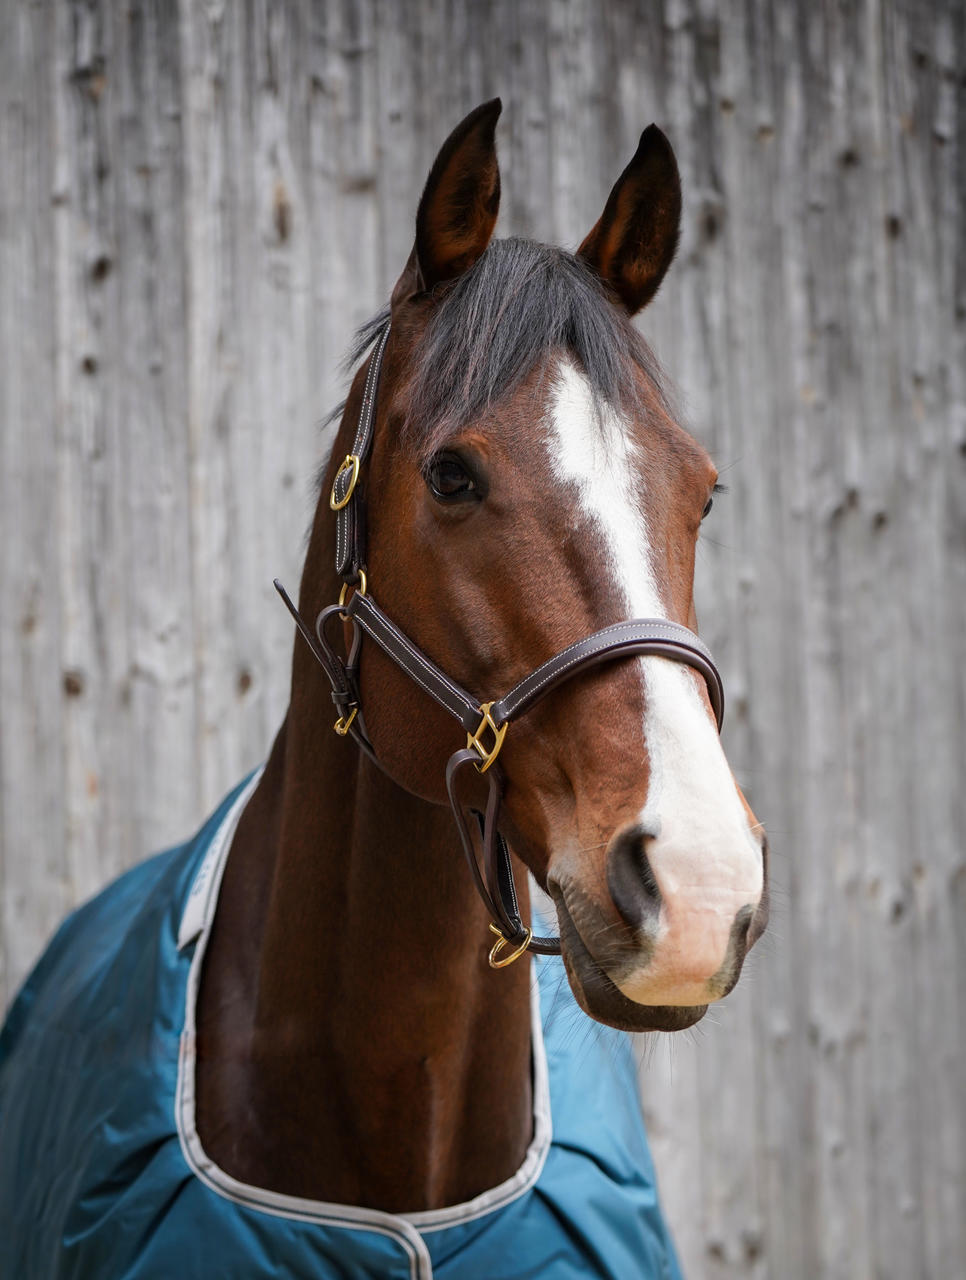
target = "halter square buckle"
x: 474, y: 741
x: 348, y: 467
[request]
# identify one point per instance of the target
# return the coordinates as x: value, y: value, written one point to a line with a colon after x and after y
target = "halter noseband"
x: 485, y: 723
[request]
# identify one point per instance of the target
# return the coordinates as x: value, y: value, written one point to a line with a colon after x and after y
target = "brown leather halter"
x: 485, y: 722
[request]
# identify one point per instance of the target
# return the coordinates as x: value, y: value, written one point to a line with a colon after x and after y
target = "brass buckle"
x: 474, y: 740
x: 343, y: 725
x: 350, y: 463
x: 502, y: 942
x: 360, y: 586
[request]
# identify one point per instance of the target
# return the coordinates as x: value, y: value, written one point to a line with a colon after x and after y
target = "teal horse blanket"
x: 103, y: 1177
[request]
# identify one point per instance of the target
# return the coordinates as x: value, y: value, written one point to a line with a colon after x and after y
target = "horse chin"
x: 598, y: 996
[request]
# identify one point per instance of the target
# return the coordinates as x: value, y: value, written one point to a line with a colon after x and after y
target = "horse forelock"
x: 490, y: 328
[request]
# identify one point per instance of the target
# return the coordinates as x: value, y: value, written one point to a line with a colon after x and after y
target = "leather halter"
x: 485, y: 723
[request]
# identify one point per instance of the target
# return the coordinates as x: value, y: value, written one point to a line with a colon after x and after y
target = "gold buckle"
x: 474, y: 740
x: 359, y: 586
x: 502, y: 942
x: 350, y: 463
x: 342, y: 725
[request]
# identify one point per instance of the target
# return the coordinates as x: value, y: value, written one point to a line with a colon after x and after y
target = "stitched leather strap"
x: 645, y: 636
x: 350, y: 527
x: 365, y: 613
x: 659, y: 637
x: 495, y: 884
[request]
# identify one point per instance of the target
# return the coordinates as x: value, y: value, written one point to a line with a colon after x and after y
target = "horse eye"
x: 718, y: 488
x: 448, y: 479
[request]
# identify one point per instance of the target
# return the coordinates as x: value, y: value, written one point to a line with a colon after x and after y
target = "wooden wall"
x: 199, y: 199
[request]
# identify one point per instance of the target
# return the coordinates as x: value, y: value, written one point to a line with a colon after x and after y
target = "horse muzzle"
x: 665, y: 934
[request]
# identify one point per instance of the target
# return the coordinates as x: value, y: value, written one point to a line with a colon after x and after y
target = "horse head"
x: 528, y: 484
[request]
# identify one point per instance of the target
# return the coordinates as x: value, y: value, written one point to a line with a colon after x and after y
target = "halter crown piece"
x: 485, y: 723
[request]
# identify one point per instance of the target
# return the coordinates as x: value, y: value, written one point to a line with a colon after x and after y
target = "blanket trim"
x: 405, y: 1229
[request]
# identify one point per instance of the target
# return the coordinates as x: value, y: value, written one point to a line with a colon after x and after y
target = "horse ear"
x: 632, y: 245
x: 459, y: 204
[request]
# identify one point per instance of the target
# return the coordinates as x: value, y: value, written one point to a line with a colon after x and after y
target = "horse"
x: 314, y: 1039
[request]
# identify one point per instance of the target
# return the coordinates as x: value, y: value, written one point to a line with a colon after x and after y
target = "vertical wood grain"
x: 33, y: 858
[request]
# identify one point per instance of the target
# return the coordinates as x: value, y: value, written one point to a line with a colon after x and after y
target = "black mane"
x: 498, y: 321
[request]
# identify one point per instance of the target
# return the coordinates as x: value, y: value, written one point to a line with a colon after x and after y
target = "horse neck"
x: 389, y: 1063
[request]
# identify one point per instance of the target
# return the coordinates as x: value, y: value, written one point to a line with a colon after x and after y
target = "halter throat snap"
x: 484, y: 722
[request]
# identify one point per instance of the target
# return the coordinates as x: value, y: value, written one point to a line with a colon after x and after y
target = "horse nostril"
x: 739, y: 930
x: 738, y: 945
x: 630, y: 879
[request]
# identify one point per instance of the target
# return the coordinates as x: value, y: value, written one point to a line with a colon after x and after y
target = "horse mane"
x: 496, y: 322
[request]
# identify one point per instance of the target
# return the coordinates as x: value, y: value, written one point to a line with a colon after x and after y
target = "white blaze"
x: 705, y: 858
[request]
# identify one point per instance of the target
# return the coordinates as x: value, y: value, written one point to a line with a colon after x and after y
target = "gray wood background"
x: 198, y: 200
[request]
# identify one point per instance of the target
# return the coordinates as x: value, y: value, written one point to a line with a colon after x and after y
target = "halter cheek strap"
x: 485, y: 723
x: 350, y: 529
